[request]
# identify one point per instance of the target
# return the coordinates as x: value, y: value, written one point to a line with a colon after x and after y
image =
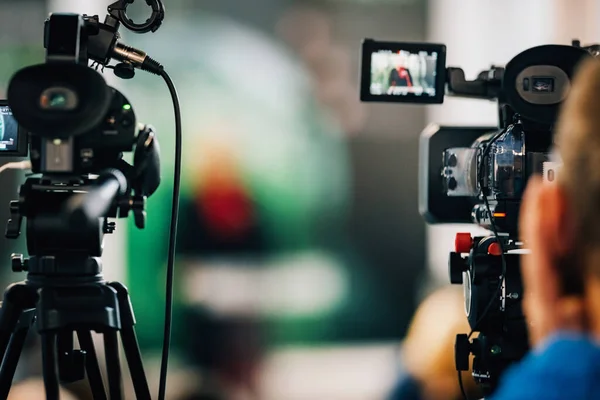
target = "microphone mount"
x: 102, y: 39
x: 118, y: 10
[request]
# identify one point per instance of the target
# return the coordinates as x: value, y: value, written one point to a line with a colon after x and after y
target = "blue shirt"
x: 406, y: 388
x: 567, y: 367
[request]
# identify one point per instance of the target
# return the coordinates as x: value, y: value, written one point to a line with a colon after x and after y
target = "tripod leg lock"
x: 17, y: 298
x: 126, y: 309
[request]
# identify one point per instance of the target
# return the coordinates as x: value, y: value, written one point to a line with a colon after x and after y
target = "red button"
x: 463, y: 242
x: 494, y: 249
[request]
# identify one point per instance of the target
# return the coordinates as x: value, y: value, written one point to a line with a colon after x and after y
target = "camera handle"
x: 119, y: 11
x: 486, y: 86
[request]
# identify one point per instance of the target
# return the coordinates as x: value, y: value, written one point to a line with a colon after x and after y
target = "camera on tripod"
x: 76, y: 129
x: 478, y: 175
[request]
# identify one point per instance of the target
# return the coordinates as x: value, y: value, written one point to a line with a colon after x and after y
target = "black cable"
x: 172, y: 238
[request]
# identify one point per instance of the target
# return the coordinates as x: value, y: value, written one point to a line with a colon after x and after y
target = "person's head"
x: 560, y: 222
x: 428, y: 349
x: 401, y: 60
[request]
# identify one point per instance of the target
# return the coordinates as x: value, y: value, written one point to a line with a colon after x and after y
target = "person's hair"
x: 578, y: 141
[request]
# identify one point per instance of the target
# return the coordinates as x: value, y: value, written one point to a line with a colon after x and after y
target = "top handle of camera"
x: 118, y: 10
x: 486, y: 86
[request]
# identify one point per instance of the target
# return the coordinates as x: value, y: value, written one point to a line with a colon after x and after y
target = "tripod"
x: 58, y: 310
x: 65, y: 293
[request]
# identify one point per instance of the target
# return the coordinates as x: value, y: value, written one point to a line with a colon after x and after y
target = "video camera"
x: 478, y: 175
x: 76, y: 130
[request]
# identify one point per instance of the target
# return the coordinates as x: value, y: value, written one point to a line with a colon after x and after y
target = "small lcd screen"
x: 9, y: 130
x: 403, y: 72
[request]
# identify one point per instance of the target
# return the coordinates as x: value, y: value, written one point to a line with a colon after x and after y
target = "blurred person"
x: 400, y: 76
x: 560, y: 224
x: 222, y: 216
x: 252, y: 185
x: 428, y: 350
x: 226, y: 352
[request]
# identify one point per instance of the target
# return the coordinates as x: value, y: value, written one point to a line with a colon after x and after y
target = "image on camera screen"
x: 9, y: 130
x: 400, y: 73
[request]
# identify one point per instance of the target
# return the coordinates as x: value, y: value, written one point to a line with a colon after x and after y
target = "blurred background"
x: 301, y: 253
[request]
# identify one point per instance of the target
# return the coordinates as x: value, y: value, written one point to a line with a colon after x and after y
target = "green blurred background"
x: 300, y: 244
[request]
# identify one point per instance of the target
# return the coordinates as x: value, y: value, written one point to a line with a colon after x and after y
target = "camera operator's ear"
x: 546, y: 223
x: 546, y: 226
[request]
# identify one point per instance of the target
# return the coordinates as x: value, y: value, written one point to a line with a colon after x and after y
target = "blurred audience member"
x: 227, y: 353
x: 560, y: 223
x: 428, y: 350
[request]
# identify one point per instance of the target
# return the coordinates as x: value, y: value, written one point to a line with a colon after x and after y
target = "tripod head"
x: 68, y: 216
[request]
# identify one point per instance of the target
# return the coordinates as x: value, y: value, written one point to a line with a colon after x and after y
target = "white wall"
x: 114, y: 258
x: 577, y: 19
x: 478, y: 34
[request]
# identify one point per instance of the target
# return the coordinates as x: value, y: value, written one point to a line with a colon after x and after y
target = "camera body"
x: 77, y: 129
x: 92, y: 151
x: 71, y: 120
x: 478, y: 175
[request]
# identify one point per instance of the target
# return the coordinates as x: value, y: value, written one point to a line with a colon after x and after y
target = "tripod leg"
x: 130, y: 343
x: 17, y: 298
x: 91, y: 365
x: 11, y: 359
x: 50, y: 365
x: 134, y: 361
x: 113, y: 365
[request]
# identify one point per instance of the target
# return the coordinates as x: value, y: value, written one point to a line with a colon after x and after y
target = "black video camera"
x: 77, y: 130
x: 478, y: 175
x: 74, y: 125
x: 69, y: 118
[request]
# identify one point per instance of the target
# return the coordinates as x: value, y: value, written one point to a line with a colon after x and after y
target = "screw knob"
x: 18, y: 263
